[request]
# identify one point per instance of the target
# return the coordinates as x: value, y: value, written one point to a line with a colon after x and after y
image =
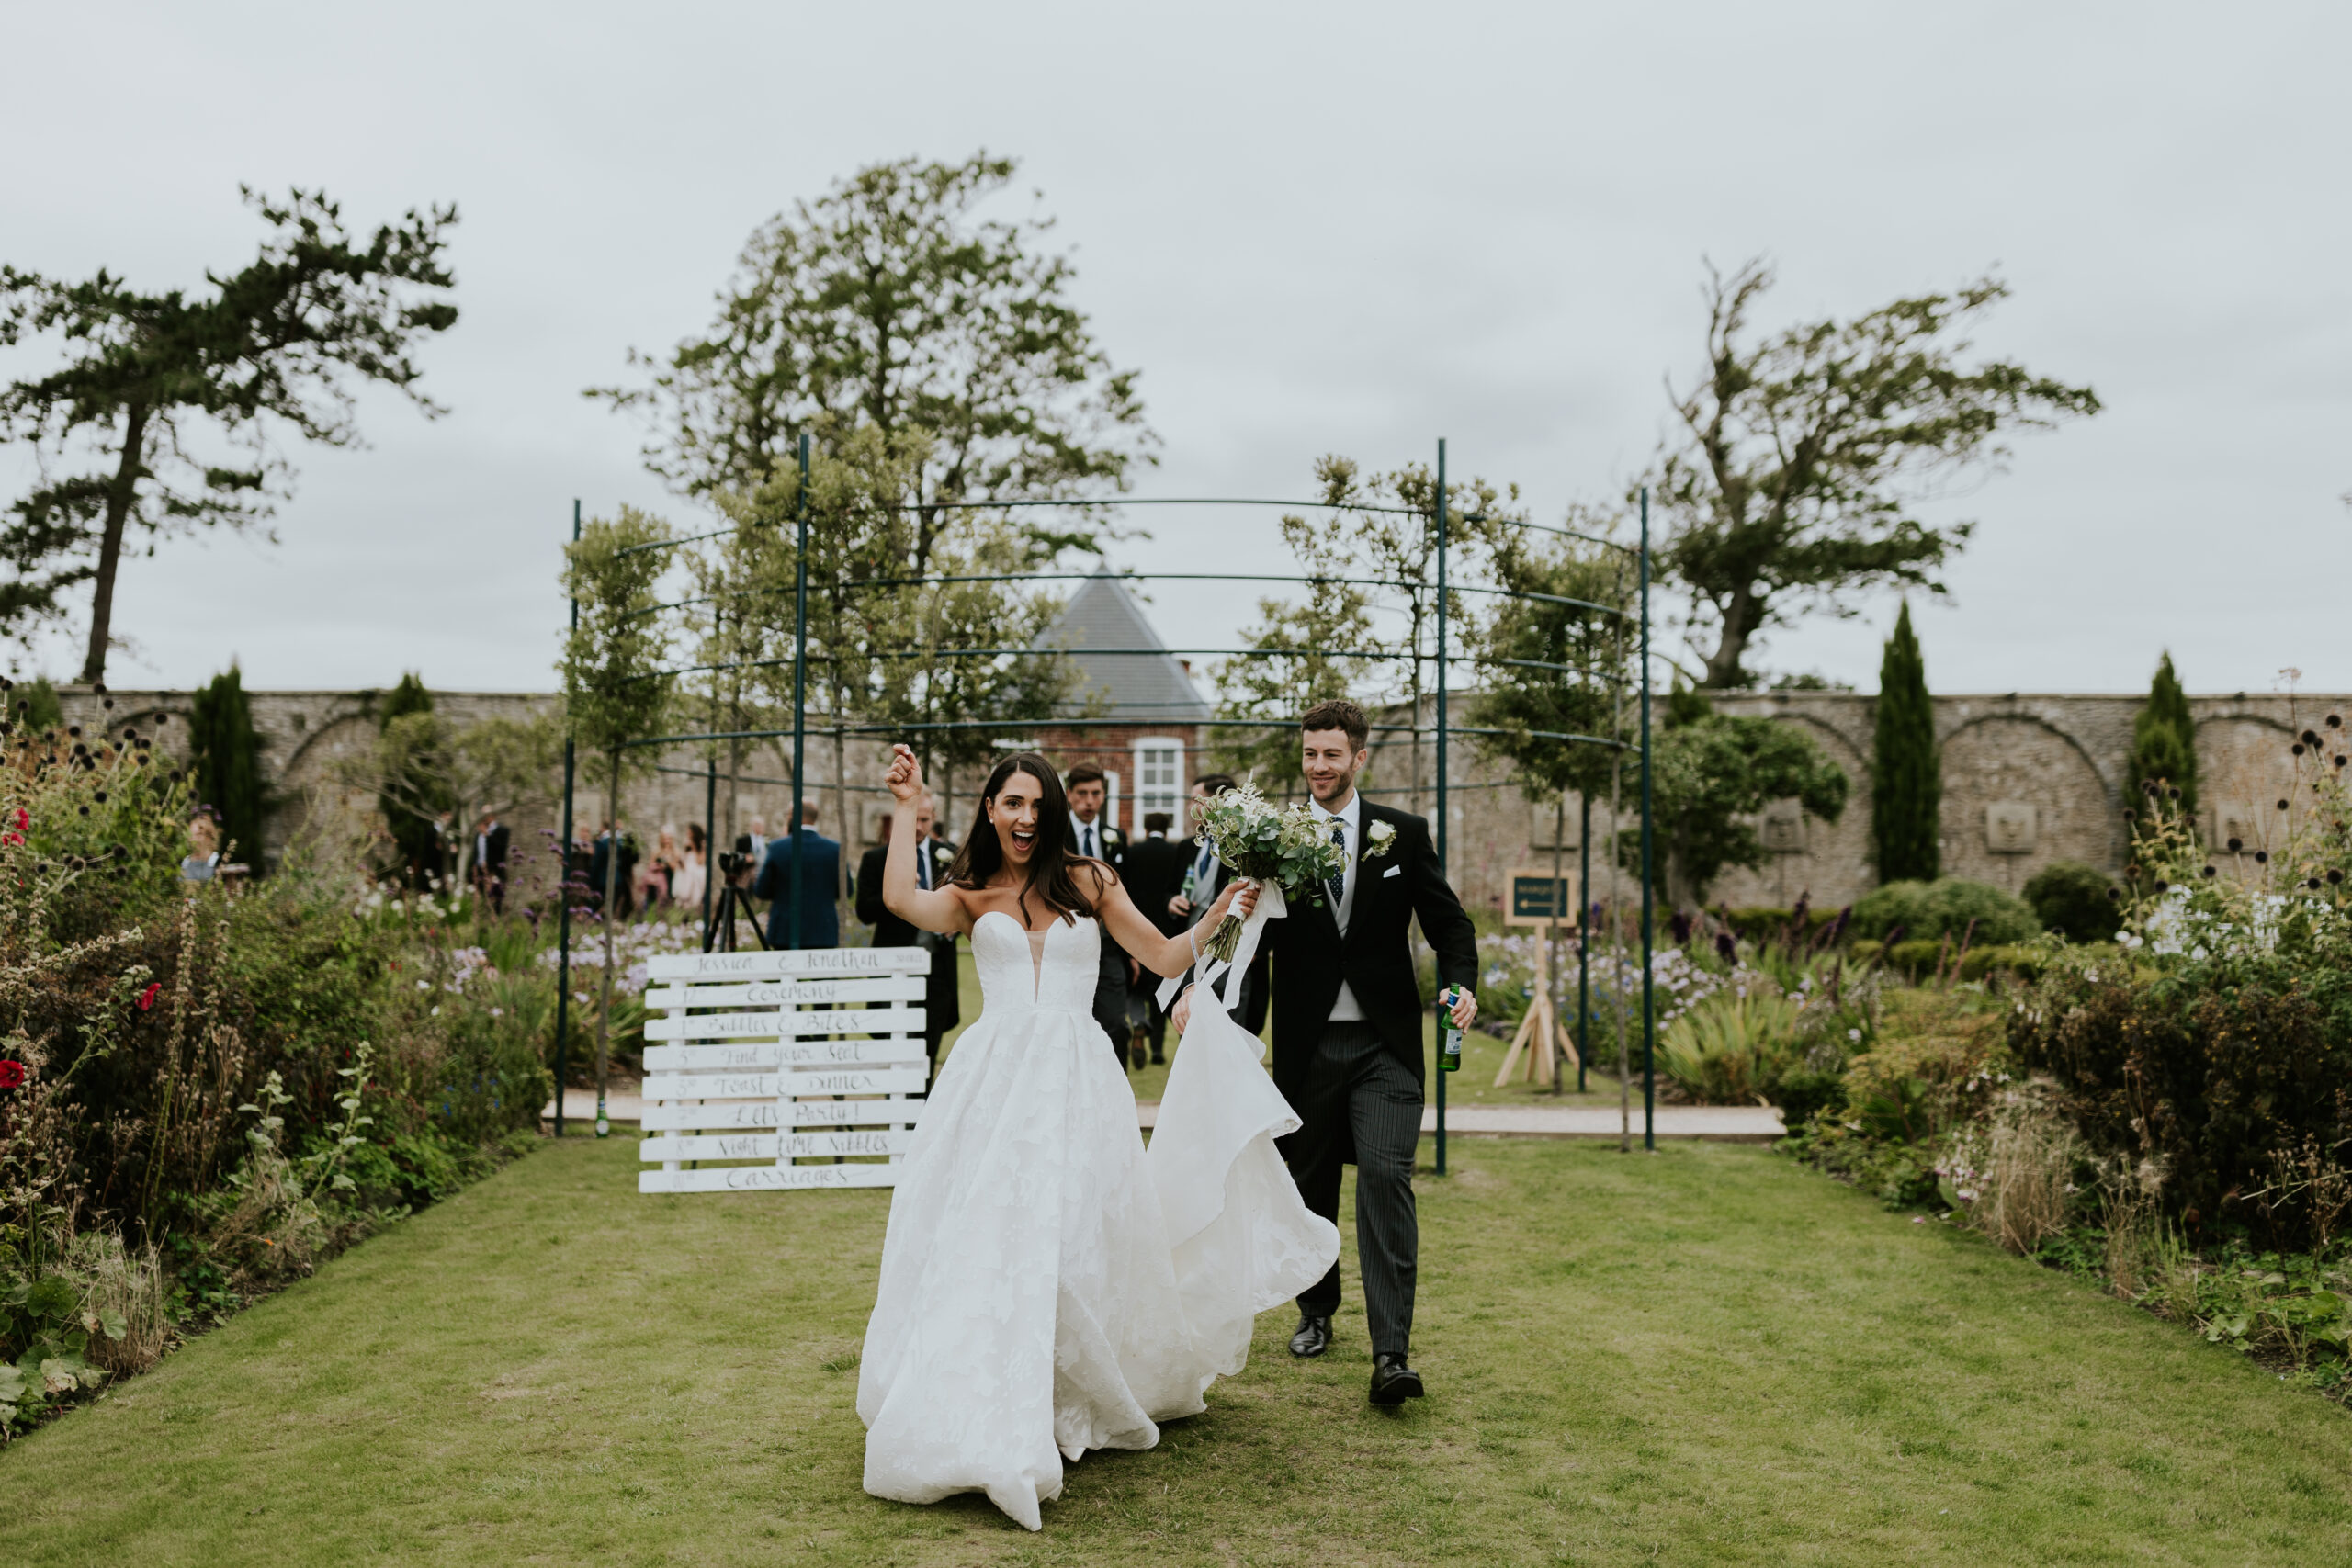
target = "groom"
x: 1348, y: 1035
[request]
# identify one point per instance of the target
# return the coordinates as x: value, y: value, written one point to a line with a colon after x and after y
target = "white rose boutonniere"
x: 1379, y: 838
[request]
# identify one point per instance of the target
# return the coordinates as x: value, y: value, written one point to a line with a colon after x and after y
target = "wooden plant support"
x: 1540, y: 901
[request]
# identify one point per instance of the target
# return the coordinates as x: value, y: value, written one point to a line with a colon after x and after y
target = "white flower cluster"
x: 633, y: 944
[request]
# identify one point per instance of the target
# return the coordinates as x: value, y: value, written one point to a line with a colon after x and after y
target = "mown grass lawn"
x: 1702, y: 1356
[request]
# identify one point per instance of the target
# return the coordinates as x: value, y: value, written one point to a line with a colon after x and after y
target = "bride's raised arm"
x: 938, y: 909
x: 1165, y: 954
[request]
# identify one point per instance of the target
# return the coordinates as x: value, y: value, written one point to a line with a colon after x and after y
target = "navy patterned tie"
x: 1338, y: 883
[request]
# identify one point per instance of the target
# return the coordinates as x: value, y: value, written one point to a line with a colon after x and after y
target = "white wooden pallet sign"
x: 765, y: 1059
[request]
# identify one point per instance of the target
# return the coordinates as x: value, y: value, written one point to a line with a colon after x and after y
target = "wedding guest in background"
x: 758, y: 829
x: 942, y: 1006
x: 654, y: 882
x: 1155, y: 876
x: 820, y: 873
x: 624, y: 874
x: 203, y: 859
x: 693, y: 870
x: 492, y: 842
x: 1096, y: 838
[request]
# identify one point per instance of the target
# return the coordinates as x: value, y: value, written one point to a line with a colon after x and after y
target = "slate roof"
x: 1147, y: 688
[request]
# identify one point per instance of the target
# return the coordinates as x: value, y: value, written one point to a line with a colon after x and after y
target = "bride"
x: 1047, y: 1286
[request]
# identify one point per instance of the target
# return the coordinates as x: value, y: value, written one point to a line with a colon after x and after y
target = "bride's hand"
x: 1240, y: 896
x: 905, y: 777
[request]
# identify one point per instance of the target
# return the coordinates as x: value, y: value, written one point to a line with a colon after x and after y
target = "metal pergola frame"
x: 800, y: 659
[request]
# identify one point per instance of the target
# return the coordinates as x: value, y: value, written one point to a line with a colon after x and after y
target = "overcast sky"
x: 1350, y: 228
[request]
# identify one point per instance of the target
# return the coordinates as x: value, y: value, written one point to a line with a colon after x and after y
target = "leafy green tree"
x: 1907, y: 773
x: 1549, y: 665
x: 410, y: 805
x: 423, y: 765
x: 226, y: 764
x: 1803, y: 452
x: 43, y: 710
x: 1384, y: 527
x: 2164, y: 742
x: 1710, y: 777
x: 270, y: 348
x: 888, y: 302
x: 615, y: 692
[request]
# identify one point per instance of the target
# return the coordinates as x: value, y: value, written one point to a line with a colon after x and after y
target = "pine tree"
x: 227, y: 766
x: 1906, y: 780
x: 2164, y: 742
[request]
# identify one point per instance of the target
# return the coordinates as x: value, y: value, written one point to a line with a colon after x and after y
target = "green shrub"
x: 2226, y: 1080
x: 2076, y: 900
x: 1916, y: 956
x: 1767, y: 923
x: 1951, y: 906
x: 2023, y: 962
x: 1729, y: 1049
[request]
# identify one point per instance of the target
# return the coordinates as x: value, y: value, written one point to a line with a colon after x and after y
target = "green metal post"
x: 709, y: 843
x: 563, y: 896
x: 800, y: 687
x: 1583, y: 938
x: 1649, y: 980
x: 1441, y: 760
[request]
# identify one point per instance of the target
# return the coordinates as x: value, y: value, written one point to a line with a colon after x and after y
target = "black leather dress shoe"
x: 1393, y: 1383
x: 1314, y: 1335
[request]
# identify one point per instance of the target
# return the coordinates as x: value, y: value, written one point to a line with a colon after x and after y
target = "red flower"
x: 147, y: 996
x: 12, y: 1074
x: 24, y: 820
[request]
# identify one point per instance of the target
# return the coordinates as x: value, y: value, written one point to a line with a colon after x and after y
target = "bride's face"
x: 1014, y: 815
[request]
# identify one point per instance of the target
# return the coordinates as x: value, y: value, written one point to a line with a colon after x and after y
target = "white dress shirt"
x: 1344, y: 1007
x: 1087, y: 836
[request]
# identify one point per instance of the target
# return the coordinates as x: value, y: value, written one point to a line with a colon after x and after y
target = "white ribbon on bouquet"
x: 1270, y: 907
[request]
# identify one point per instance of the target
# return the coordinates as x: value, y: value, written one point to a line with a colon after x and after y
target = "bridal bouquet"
x: 1282, y: 845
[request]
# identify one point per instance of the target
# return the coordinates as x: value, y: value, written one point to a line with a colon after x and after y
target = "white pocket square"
x: 1391, y: 871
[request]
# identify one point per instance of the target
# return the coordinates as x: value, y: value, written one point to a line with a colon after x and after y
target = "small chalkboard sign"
x: 1537, y: 900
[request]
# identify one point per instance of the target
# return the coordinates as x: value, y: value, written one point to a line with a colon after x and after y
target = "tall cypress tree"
x: 1907, y: 778
x: 417, y: 836
x: 2164, y: 742
x: 227, y: 765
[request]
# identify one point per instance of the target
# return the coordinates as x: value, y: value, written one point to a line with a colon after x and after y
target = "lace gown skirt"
x: 1047, y: 1286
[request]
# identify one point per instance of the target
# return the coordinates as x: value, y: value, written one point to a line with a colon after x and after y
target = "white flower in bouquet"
x: 1282, y: 845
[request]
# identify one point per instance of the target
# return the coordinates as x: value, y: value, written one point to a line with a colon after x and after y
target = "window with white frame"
x: 1160, y: 780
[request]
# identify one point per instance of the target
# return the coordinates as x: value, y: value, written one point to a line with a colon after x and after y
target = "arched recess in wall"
x: 2244, y: 767
x: 1834, y: 867
x: 316, y: 802
x: 2046, y: 790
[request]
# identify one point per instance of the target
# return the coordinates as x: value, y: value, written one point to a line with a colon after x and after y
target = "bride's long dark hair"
x: 982, y: 856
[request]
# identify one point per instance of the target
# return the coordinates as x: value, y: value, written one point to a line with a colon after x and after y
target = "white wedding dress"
x: 1048, y: 1286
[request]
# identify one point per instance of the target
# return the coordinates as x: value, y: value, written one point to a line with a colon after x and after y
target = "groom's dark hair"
x: 1337, y: 713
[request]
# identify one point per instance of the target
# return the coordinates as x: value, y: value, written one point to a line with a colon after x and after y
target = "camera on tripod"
x: 734, y: 864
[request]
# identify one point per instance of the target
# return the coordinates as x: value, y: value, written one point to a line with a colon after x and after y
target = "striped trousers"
x: 1362, y: 1104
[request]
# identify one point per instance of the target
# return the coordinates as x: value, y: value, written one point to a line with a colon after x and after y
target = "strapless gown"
x: 1047, y: 1285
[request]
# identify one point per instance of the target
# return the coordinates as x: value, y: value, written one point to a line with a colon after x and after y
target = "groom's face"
x: 1331, y: 764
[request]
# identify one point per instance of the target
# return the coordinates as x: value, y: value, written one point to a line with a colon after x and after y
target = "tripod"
x: 732, y: 901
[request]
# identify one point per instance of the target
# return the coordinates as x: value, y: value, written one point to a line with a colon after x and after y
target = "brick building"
x: 1142, y: 714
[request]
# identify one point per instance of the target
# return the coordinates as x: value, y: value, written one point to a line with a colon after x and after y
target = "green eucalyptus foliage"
x: 2164, y: 743
x: 1906, y: 776
x: 227, y: 765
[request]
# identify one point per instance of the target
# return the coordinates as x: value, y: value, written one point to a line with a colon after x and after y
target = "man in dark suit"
x: 623, y: 875
x: 820, y: 873
x: 1091, y: 836
x: 942, y: 1008
x: 490, y: 844
x: 1348, y: 1035
x: 1155, y: 878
